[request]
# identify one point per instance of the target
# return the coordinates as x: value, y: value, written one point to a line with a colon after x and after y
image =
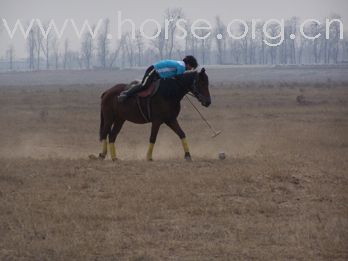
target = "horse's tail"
x: 101, y: 124
x: 101, y: 127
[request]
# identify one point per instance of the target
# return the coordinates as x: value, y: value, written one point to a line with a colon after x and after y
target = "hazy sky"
x: 138, y: 11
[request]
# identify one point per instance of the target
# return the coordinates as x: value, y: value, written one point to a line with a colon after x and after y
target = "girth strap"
x: 147, y: 116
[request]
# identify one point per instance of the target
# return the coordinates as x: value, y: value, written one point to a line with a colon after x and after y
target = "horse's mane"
x: 177, y: 86
x: 186, y: 77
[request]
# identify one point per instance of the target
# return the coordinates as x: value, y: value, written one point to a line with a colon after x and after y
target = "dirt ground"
x: 281, y: 193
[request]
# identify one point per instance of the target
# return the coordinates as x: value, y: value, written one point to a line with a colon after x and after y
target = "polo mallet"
x: 215, y: 132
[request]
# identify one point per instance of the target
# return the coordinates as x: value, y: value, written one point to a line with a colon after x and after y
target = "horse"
x: 164, y: 105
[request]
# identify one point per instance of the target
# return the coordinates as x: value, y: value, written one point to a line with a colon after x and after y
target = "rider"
x: 161, y: 70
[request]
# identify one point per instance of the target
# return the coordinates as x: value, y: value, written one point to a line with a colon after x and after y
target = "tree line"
x: 101, y: 53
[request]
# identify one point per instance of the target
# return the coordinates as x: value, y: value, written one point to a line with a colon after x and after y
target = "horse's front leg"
x: 154, y: 131
x: 174, y: 125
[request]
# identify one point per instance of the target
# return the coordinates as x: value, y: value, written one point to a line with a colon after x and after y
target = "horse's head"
x: 200, y: 88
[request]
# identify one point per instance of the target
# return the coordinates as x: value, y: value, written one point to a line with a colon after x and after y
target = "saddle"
x: 149, y: 92
x: 145, y: 95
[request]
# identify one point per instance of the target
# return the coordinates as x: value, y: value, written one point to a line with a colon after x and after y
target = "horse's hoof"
x: 114, y: 159
x: 101, y: 156
x: 150, y: 160
x: 188, y: 156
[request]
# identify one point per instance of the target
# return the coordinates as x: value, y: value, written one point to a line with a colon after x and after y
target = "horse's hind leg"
x: 105, y: 127
x: 174, y: 125
x: 112, y: 137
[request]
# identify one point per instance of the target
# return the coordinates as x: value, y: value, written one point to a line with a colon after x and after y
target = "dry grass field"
x: 281, y: 193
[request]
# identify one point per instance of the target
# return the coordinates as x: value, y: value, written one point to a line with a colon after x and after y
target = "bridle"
x: 195, y: 90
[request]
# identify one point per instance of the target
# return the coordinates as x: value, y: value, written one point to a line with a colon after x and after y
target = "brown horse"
x: 164, y: 106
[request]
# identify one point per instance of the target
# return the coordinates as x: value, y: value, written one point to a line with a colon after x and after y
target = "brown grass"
x: 281, y: 194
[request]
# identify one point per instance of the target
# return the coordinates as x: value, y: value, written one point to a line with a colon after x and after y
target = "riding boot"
x: 130, y: 92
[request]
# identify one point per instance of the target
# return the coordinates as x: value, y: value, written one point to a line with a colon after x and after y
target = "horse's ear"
x: 203, y: 70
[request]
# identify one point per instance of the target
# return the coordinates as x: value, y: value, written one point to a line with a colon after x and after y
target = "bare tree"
x: 38, y: 43
x: 220, y: 42
x: 204, y: 45
x: 159, y: 43
x: 245, y: 42
x: 234, y: 50
x: 46, y: 45
x: 315, y: 29
x: 65, y: 55
x: 334, y: 39
x: 1, y: 28
x: 10, y: 55
x: 172, y: 15
x: 140, y: 46
x: 129, y: 47
x: 191, y: 42
x: 345, y: 51
x: 273, y: 31
x: 55, y: 48
x: 252, y: 47
x: 87, y: 50
x: 116, y: 53
x: 103, y: 44
x: 300, y: 46
x: 293, y: 25
x: 259, y: 44
x: 31, y: 45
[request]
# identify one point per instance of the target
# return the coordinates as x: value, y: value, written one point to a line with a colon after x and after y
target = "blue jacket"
x: 169, y: 68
